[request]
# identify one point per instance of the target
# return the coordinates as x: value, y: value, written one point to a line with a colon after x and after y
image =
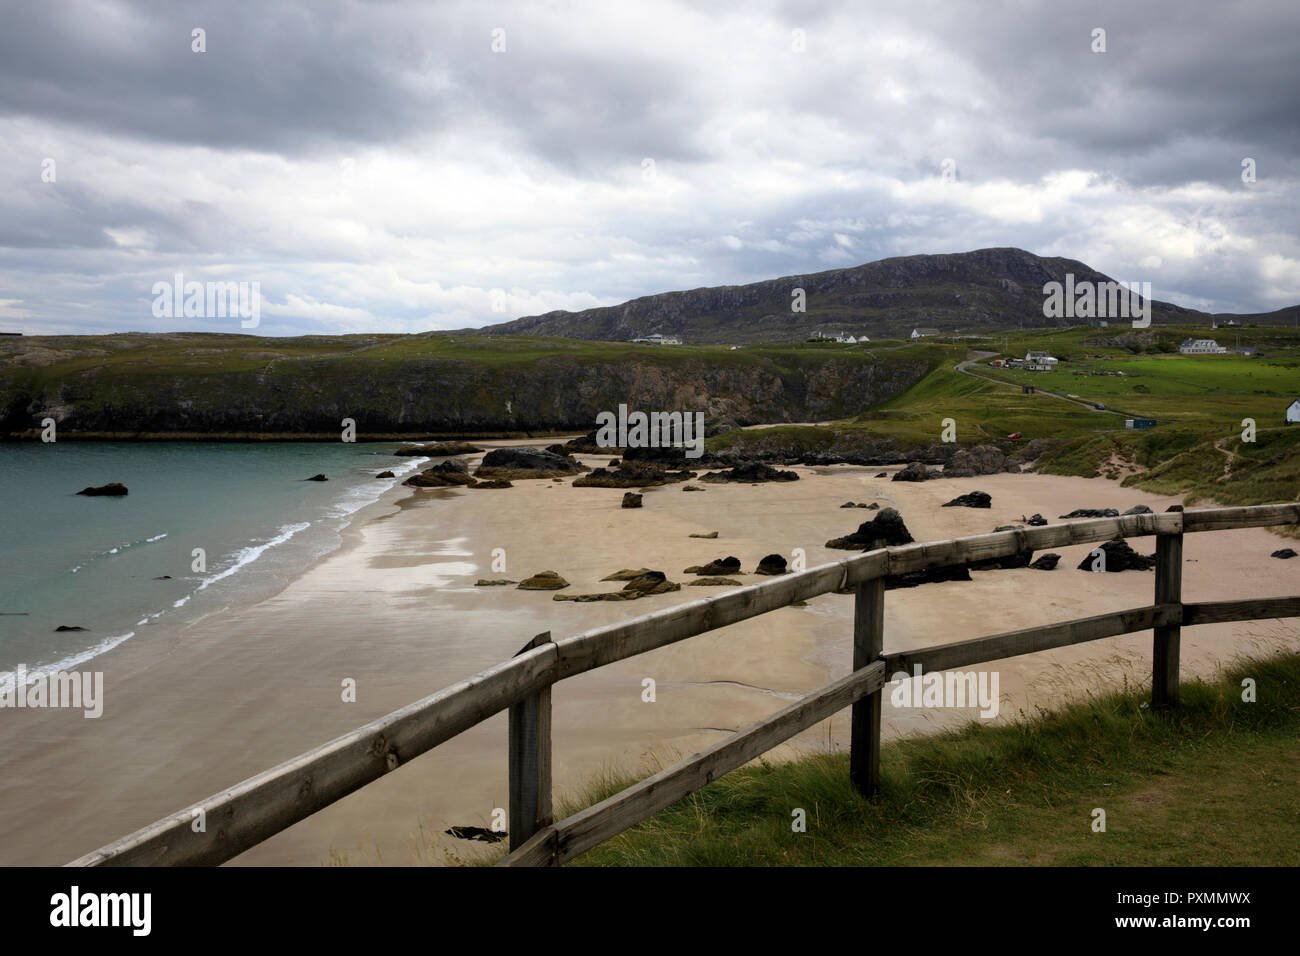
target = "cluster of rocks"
x: 1107, y: 512
x: 450, y: 473
x: 751, y: 472
x: 630, y: 475
x: 862, y: 504
x: 964, y: 463
x: 640, y: 583
x: 523, y: 463
x: 717, y: 569
x: 980, y: 460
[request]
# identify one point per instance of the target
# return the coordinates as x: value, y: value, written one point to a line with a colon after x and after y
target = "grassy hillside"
x: 1199, y: 402
x: 202, y: 384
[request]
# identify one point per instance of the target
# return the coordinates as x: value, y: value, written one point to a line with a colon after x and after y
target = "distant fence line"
x: 252, y: 811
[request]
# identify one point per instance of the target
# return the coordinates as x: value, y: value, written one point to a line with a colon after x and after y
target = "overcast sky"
x: 380, y: 167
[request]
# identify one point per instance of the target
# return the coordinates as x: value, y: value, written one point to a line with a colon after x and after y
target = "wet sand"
x: 396, y: 610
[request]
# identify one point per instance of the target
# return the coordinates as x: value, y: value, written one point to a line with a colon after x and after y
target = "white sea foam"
x: 120, y: 548
x: 245, y: 557
x: 65, y: 663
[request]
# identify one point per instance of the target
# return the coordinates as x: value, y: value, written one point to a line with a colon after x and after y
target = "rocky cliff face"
x: 438, y: 395
x: 886, y: 299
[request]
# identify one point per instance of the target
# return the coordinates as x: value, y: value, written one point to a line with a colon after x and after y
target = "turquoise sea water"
x: 100, y: 563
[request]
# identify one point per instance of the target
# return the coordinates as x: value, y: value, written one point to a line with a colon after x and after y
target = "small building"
x: 919, y: 333
x: 656, y: 339
x: 1293, y: 412
x: 1139, y: 423
x: 1027, y: 389
x: 1201, y: 347
x: 1039, y: 358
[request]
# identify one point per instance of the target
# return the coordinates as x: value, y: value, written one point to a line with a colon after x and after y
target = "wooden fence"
x: 258, y: 808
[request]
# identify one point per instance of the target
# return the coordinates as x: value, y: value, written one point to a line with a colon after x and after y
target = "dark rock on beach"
x: 491, y: 483
x: 627, y: 574
x: 715, y: 582
x: 751, y: 472
x: 1119, y: 556
x: 703, y: 534
x: 67, y: 627
x: 116, y: 488
x: 1034, y: 520
x: 887, y: 525
x: 316, y: 478
x: 727, y: 565
x: 630, y: 475
x: 631, y: 500
x: 1139, y: 510
x: 385, y: 474
x: 498, y: 582
x: 1046, y: 562
x: 972, y: 499
x: 980, y: 460
x: 447, y: 474
x: 1092, y: 513
x: 772, y: 564
x: 1284, y: 553
x: 543, y: 581
x: 915, y: 471
x: 643, y: 585
x: 526, y: 463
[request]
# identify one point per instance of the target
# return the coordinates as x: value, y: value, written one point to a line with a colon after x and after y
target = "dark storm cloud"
x: 379, y: 165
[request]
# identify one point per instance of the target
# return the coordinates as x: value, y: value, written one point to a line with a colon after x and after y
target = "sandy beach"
x: 396, y: 609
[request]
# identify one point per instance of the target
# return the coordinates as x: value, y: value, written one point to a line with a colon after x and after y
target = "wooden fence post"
x: 868, y: 644
x: 1169, y: 590
x: 530, y: 760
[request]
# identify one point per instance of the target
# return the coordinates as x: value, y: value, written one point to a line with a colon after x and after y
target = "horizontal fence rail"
x: 250, y: 812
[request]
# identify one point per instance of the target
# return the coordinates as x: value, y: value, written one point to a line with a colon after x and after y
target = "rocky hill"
x: 967, y: 292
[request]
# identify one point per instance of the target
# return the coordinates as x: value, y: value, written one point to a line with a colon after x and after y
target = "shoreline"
x: 395, y: 608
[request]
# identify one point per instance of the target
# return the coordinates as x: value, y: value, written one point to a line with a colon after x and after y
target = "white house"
x: 1201, y: 347
x: 1293, y: 412
x: 922, y: 333
x: 1039, y: 358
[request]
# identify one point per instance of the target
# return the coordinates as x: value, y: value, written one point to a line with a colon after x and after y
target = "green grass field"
x: 1214, y: 782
